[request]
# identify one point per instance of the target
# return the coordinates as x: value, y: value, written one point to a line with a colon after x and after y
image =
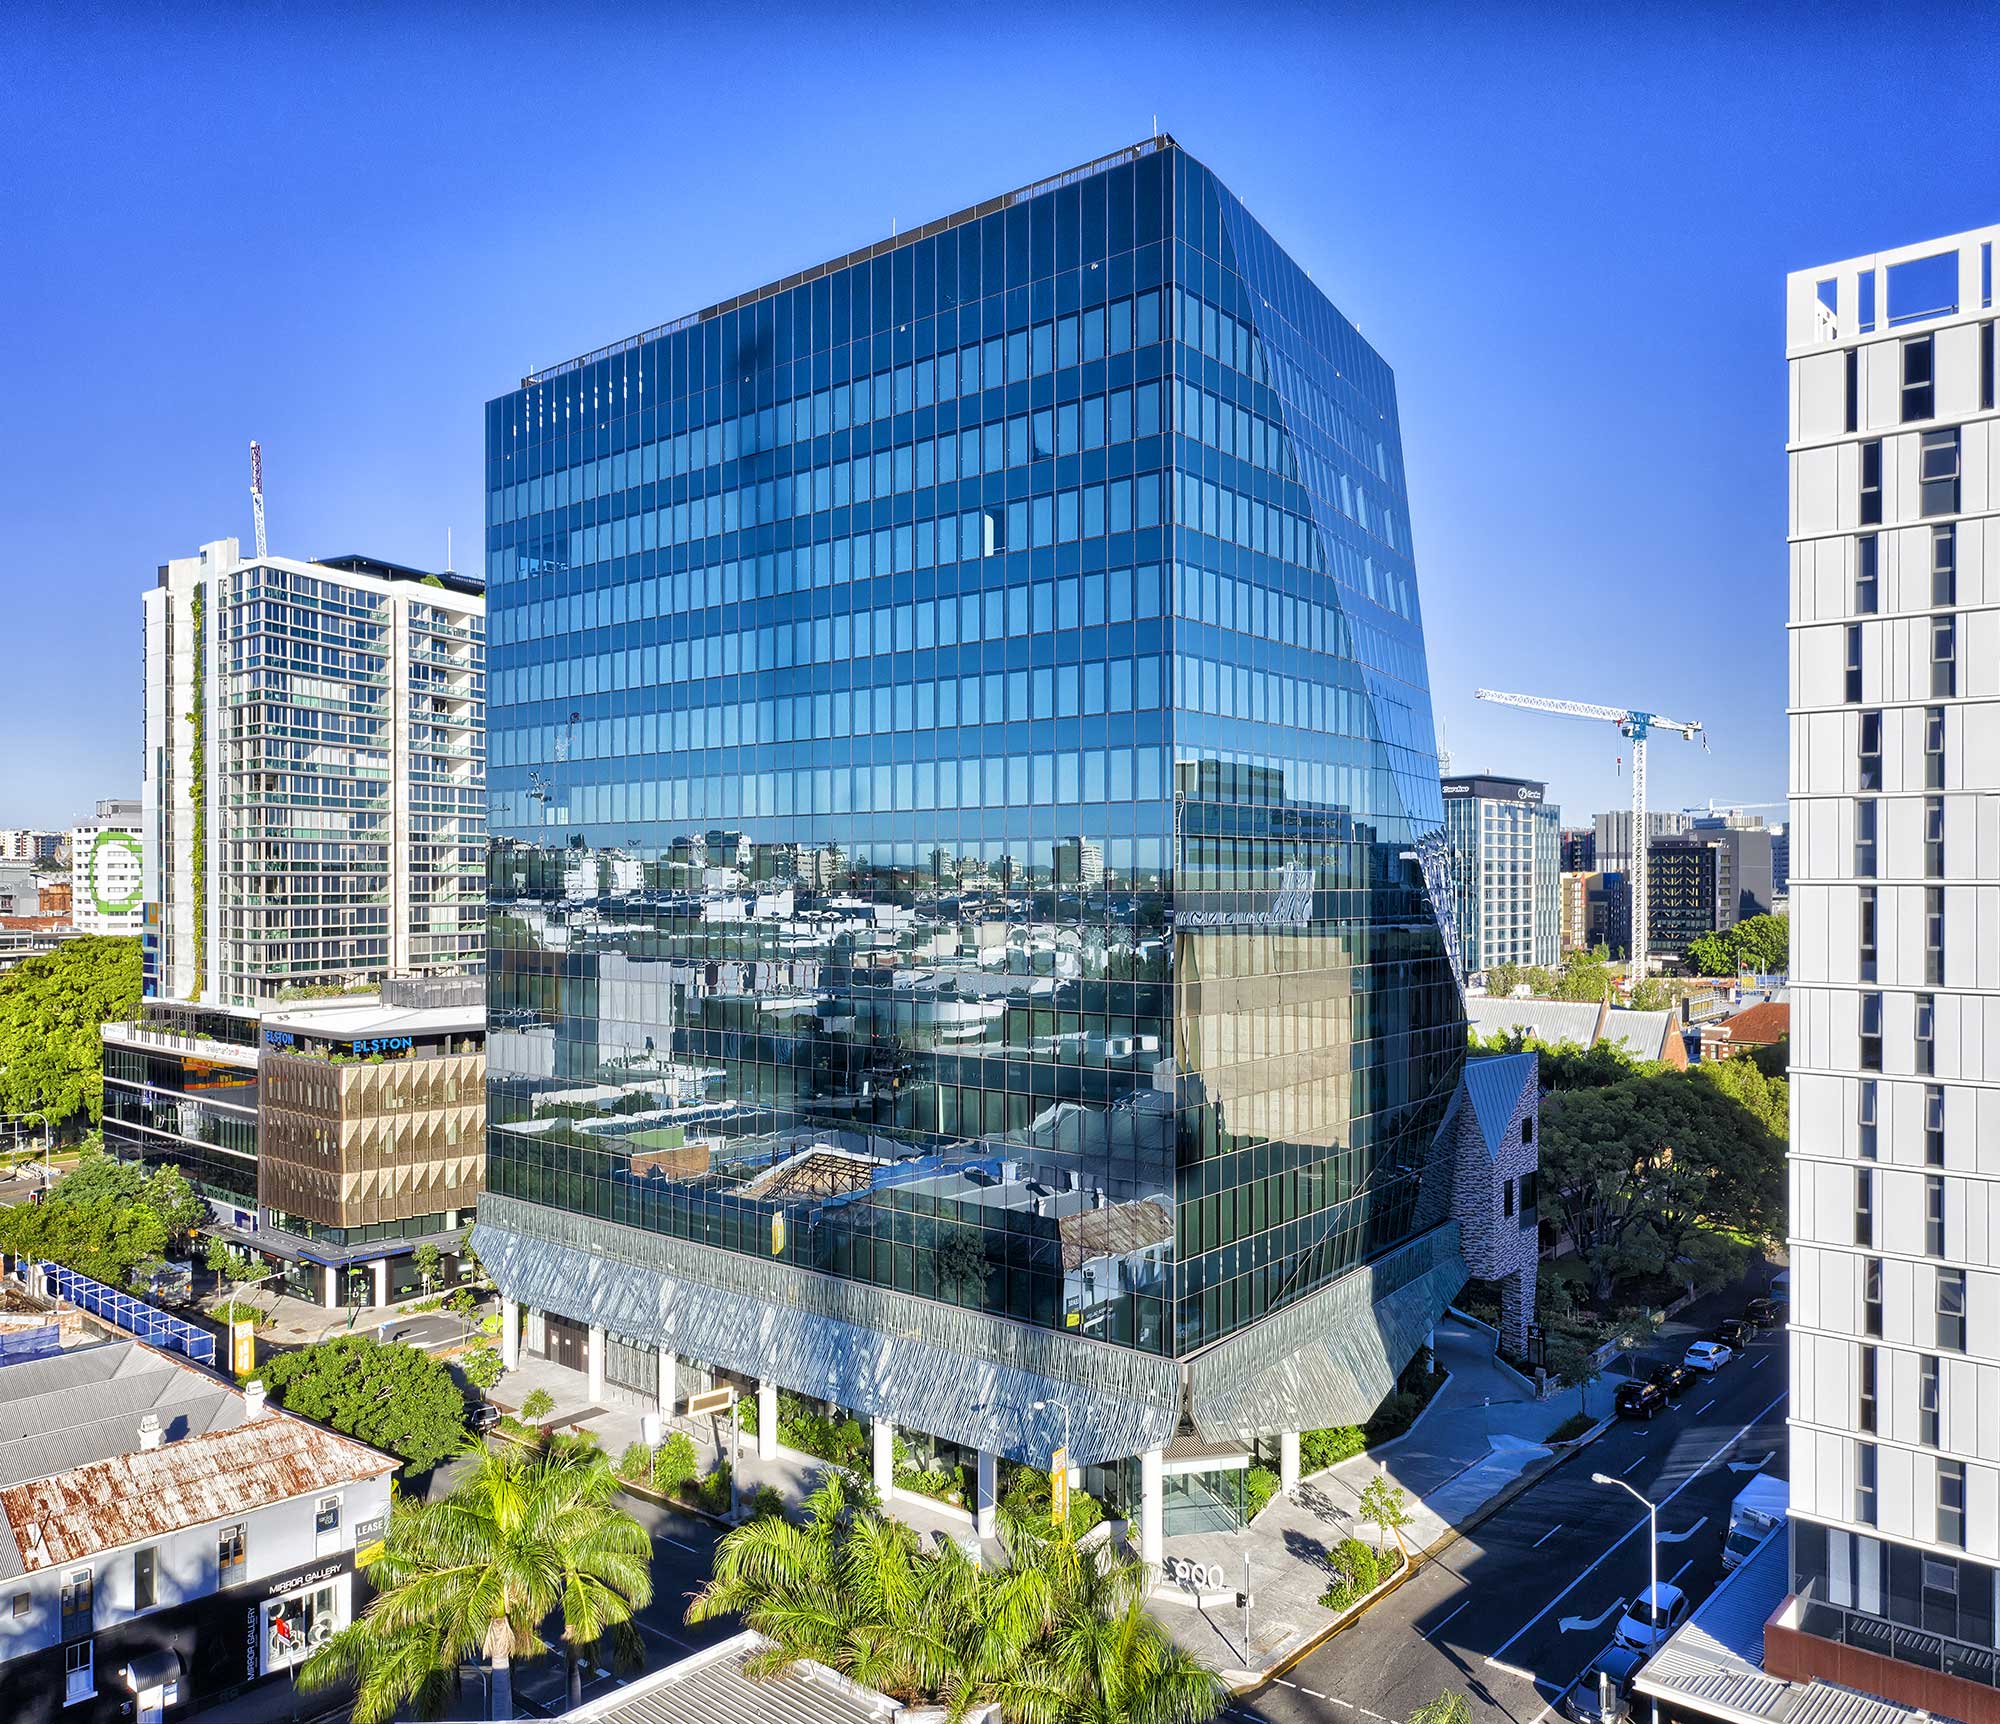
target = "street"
x: 1513, y: 1614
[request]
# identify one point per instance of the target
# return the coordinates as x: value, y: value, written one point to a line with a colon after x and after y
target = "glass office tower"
x: 962, y: 793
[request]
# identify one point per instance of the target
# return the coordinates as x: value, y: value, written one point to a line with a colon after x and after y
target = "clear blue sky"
x: 343, y: 233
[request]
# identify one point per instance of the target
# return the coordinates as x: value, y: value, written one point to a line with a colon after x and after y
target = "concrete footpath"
x: 1479, y: 1434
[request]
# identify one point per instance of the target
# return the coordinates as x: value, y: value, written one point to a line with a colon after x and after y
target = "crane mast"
x: 257, y: 493
x: 1636, y: 725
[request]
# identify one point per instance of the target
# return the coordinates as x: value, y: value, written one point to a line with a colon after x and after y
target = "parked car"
x: 1609, y: 1677
x: 1673, y: 1381
x: 1765, y: 1313
x: 1637, y: 1400
x: 482, y: 1416
x: 1707, y: 1356
x: 1654, y: 1615
x: 1735, y: 1333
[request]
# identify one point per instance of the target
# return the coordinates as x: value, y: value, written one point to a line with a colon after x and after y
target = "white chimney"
x: 253, y: 1400
x: 149, y: 1433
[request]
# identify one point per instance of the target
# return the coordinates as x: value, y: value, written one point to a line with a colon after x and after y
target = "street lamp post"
x: 1653, y: 1556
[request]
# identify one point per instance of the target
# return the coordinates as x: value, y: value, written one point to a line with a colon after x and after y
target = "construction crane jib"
x: 1638, y: 726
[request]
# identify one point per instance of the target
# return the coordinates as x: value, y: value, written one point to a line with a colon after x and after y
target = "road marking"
x: 1570, y: 1624
x: 1683, y: 1537
x: 677, y: 1543
x: 1756, y: 1466
x: 1636, y: 1459
x: 1512, y: 1669
x: 1544, y: 1539
x: 1440, y: 1626
x: 1760, y: 1364
x: 1282, y: 1683
x: 1703, y: 1407
x: 1493, y: 1658
x: 1314, y: 1692
x: 1684, y: 1567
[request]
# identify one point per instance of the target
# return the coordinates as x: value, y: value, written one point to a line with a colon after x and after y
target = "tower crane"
x: 1714, y: 807
x: 257, y: 493
x: 1637, y: 726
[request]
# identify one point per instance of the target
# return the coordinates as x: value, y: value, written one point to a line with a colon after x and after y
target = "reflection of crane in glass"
x: 1637, y: 726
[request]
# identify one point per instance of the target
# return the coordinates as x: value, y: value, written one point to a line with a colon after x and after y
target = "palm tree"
x: 1098, y: 1658
x: 478, y: 1573
x: 1059, y: 1634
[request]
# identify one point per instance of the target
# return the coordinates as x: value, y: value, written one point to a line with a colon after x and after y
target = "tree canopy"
x: 1634, y: 1168
x: 396, y: 1397
x: 50, y: 1009
x: 108, y: 1219
x: 1759, y: 943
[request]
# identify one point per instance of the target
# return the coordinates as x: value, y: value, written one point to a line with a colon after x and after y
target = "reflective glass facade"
x: 959, y: 751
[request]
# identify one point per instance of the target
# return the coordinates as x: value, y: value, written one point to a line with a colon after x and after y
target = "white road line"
x: 1512, y: 1669
x: 1336, y: 1699
x: 1544, y: 1539
x: 677, y: 1543
x: 1703, y: 1408
x: 1493, y: 1659
x: 671, y: 1639
x: 1761, y: 1363
x: 1314, y: 1692
x: 1636, y: 1459
x: 1440, y: 1626
x: 1282, y: 1683
x: 1674, y: 1580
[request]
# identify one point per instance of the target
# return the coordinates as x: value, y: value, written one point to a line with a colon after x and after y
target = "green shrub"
x: 537, y: 1407
x: 1262, y: 1487
x: 1329, y: 1447
x: 1571, y: 1428
x: 1360, y: 1571
x: 746, y: 1415
x: 764, y: 1503
x: 675, y: 1466
x: 712, y: 1493
x: 635, y: 1463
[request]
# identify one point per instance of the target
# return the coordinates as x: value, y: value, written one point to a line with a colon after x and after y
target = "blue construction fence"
x: 135, y: 1316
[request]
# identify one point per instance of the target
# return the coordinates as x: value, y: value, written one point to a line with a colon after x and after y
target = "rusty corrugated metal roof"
x: 146, y: 1494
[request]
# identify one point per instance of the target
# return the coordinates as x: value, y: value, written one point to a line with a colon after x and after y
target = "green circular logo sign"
x: 110, y: 894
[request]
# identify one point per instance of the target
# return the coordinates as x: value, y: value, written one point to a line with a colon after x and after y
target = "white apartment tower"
x: 1507, y: 870
x: 1895, y: 904
x: 315, y: 799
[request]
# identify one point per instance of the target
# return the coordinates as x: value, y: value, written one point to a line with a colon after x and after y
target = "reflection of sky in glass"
x: 959, y: 724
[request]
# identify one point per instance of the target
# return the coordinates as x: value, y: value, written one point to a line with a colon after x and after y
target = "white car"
x: 1654, y: 1615
x: 1707, y: 1356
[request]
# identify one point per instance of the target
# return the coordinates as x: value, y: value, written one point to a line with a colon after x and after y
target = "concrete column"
x: 1152, y: 1506
x: 332, y: 1276
x: 380, y: 1270
x: 1288, y: 1460
x: 596, y: 1357
x: 885, y: 1458
x: 510, y: 1335
x: 670, y: 1390
x: 767, y: 1420
x: 987, y: 1496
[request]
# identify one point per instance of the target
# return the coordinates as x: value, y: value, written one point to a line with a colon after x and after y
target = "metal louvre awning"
x: 1120, y: 1402
x: 1329, y: 1359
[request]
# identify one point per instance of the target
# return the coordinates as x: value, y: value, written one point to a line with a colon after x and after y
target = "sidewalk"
x: 1483, y: 1429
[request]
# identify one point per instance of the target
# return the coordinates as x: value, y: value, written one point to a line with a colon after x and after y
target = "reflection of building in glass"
x: 1001, y: 654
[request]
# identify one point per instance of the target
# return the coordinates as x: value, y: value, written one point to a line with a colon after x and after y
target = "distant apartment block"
x: 314, y: 812
x: 22, y: 844
x: 1613, y: 836
x: 1505, y: 886
x: 107, y: 871
x: 1579, y: 849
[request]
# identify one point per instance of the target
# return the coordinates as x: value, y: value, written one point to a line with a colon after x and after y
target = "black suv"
x: 1673, y: 1381
x: 1737, y: 1332
x: 1636, y: 1400
x: 1765, y: 1313
x: 482, y: 1416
